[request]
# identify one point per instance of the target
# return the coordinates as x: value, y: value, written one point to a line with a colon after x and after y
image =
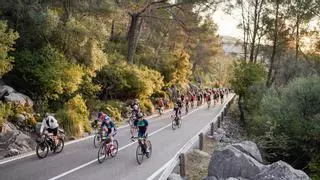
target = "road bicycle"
x: 143, y: 144
x: 176, y: 122
x: 107, y: 148
x: 46, y: 142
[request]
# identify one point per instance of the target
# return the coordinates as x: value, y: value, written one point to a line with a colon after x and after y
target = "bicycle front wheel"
x: 139, y: 154
x: 42, y: 150
x: 97, y: 140
x: 174, y: 124
x: 180, y: 123
x: 149, y: 146
x: 102, y: 153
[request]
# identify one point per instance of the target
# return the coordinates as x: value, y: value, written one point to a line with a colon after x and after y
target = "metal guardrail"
x: 192, y: 142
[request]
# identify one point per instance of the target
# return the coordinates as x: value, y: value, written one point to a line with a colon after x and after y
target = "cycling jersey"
x: 142, y: 127
x: 51, y: 124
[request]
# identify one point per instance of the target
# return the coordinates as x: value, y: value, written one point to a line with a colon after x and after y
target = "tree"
x: 7, y: 40
x: 244, y: 76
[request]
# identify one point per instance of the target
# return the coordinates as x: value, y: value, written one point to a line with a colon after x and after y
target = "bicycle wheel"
x: 150, y: 148
x: 97, y: 140
x: 114, y: 152
x: 180, y: 123
x: 59, y: 146
x: 139, y: 154
x: 174, y: 124
x: 102, y: 153
x: 42, y: 150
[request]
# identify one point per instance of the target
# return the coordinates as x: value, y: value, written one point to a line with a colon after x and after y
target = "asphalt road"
x: 79, y: 160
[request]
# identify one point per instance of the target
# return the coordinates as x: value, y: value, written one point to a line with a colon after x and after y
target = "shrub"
x: 5, y: 112
x: 124, y: 81
x: 147, y: 106
x: 290, y: 119
x: 74, y: 117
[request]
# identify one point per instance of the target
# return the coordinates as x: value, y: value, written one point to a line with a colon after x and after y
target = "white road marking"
x: 130, y: 144
x: 157, y: 172
x: 7, y: 160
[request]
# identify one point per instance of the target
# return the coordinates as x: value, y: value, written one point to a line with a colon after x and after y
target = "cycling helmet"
x: 179, y: 99
x: 135, y: 107
x: 107, y: 118
x: 140, y: 115
x: 100, y: 114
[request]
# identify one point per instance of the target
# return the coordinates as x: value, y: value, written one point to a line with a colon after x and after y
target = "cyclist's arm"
x: 43, y: 125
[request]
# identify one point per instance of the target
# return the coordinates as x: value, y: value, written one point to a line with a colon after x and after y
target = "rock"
x: 210, y: 178
x: 250, y: 148
x: 5, y: 90
x: 201, y: 153
x: 281, y: 170
x: 18, y: 98
x: 230, y: 162
x: 221, y: 131
x: 174, y: 176
x: 13, y: 152
x: 20, y: 117
x: 217, y: 137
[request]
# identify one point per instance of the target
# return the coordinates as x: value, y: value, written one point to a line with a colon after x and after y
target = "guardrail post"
x: 201, y: 141
x: 219, y: 121
x: 182, y: 165
x: 211, y: 129
x: 225, y: 111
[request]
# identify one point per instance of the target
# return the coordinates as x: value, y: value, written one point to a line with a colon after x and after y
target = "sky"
x: 227, y: 24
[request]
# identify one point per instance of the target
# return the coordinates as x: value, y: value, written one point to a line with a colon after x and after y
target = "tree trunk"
x: 241, y: 109
x: 112, y: 33
x: 297, y: 36
x: 131, y: 37
x: 134, y: 35
x: 274, y: 48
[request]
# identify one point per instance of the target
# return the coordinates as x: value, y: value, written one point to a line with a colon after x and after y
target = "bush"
x: 5, y: 112
x: 290, y: 119
x: 74, y: 117
x: 147, y: 106
x: 124, y: 81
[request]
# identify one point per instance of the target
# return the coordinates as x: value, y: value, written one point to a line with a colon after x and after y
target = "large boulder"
x: 174, y: 176
x: 250, y: 148
x: 281, y: 170
x: 18, y: 98
x: 5, y: 90
x: 242, y: 161
x: 13, y: 141
x: 231, y: 162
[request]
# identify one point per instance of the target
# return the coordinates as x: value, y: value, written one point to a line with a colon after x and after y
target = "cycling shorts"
x: 53, y: 131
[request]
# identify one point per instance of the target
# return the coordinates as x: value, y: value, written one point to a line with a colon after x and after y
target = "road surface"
x: 79, y: 160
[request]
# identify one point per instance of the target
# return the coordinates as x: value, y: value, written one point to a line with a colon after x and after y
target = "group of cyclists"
x: 138, y: 124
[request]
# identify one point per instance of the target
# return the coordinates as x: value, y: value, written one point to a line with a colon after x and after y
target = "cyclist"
x: 142, y: 125
x: 134, y: 116
x: 50, y: 124
x: 160, y: 105
x: 109, y: 127
x: 178, y: 107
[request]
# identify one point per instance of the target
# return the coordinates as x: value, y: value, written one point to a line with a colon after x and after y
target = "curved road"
x: 79, y: 160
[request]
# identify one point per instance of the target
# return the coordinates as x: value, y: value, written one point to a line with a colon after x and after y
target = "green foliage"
x: 123, y: 81
x: 246, y: 75
x: 147, y: 106
x: 74, y: 117
x: 5, y: 112
x: 7, y: 40
x: 47, y: 73
x: 289, y: 117
x: 182, y: 70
